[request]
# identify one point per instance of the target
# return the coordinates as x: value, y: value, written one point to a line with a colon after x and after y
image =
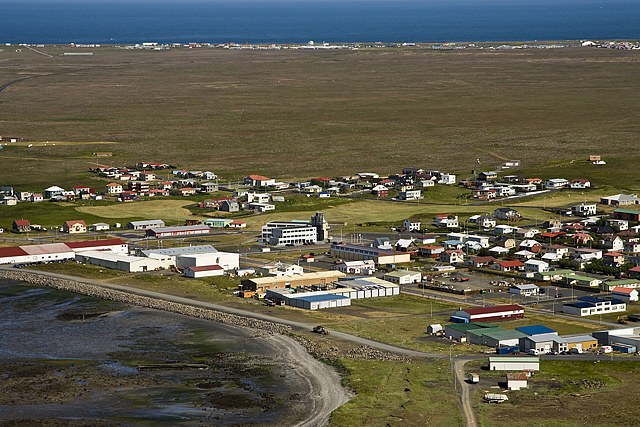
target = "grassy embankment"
x: 395, y: 394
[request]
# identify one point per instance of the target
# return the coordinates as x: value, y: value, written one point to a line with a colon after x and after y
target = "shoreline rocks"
x: 262, y: 326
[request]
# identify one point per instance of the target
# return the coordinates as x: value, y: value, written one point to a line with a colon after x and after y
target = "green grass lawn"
x: 398, y: 394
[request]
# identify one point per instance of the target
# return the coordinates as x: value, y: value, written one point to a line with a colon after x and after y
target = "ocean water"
x: 299, y: 21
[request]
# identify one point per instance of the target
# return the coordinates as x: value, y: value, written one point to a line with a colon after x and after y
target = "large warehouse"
x: 490, y: 314
x: 130, y: 264
x: 186, y: 230
x: 261, y: 284
x: 359, y: 253
x: 514, y: 363
x: 227, y: 260
x: 58, y: 251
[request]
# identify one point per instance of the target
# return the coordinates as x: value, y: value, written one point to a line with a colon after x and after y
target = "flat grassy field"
x: 608, y: 398
x: 398, y: 394
x: 298, y: 114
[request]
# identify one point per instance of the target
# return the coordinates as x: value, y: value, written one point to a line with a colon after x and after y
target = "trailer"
x: 474, y: 378
x: 495, y: 398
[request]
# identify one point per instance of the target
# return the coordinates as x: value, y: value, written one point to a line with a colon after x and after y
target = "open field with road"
x: 289, y: 114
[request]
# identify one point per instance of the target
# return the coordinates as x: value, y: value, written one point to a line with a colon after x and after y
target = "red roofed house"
x: 237, y: 224
x: 634, y: 272
x: 514, y: 265
x: 452, y: 257
x: 21, y: 225
x: 187, y: 191
x: 167, y: 185
x: 613, y: 259
x: 74, y: 227
x: 490, y: 314
x: 582, y: 238
x: 626, y: 294
x: 128, y: 196
x: 580, y: 183
x: 114, y: 188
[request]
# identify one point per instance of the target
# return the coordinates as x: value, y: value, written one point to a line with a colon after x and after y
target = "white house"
x: 584, y: 209
x: 535, y: 266
x: 525, y: 290
x: 503, y: 229
x: 586, y: 306
x: 579, y: 184
x: 447, y: 178
x: 506, y: 214
x: 411, y: 224
x: 556, y: 183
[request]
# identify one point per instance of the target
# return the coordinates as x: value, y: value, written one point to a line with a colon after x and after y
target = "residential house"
x: 446, y: 220
x: 587, y: 306
x: 531, y: 245
x: 74, y: 227
x: 526, y: 233
x: 580, y: 184
x: 581, y: 238
x: 524, y: 254
x: 147, y: 176
x: 9, y: 201
x: 453, y: 256
x: 229, y: 206
x: 447, y: 179
x: 21, y: 225
x: 480, y: 261
x: 556, y: 183
x: 128, y: 196
x: 535, y: 266
x: 513, y: 265
x: 632, y: 245
x: 187, y: 191
x: 432, y: 251
x: 410, y: 195
x: 487, y: 176
x: 552, y: 224
x: 613, y: 259
x: 506, y: 214
x: 622, y: 225
x: 53, y: 191
x: 114, y: 188
x: 584, y: 209
x: 485, y: 193
x: 406, y: 245
x: 208, y: 187
x: 555, y: 252
x: 505, y: 242
x: 483, y: 221
x: 425, y: 183
x: 100, y: 226
x: 36, y: 197
x: 380, y: 191
x: 411, y: 224
x: 613, y: 242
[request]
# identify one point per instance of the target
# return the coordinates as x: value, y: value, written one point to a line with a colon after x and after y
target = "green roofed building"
x: 494, y: 338
x: 459, y: 330
x: 627, y: 283
x: 474, y: 336
x: 627, y: 214
x: 553, y: 276
x: 582, y: 280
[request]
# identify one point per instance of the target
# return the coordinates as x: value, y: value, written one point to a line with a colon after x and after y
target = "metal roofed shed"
x: 514, y: 363
x: 488, y: 314
x: 544, y: 343
x: 516, y: 380
x: 501, y: 338
x: 317, y: 302
x: 583, y: 342
x: 181, y: 251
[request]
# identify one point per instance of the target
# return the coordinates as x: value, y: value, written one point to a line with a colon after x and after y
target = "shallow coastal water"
x: 65, y: 356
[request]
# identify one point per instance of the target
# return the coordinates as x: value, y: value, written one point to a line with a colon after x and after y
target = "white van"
x: 606, y: 349
x: 533, y: 352
x: 575, y: 350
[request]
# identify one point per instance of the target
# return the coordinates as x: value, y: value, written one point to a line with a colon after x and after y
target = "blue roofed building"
x: 535, y: 330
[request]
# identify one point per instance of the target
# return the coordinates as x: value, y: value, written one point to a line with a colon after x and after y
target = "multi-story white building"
x: 279, y: 233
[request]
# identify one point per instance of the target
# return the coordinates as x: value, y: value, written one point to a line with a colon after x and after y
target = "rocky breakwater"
x: 261, y: 326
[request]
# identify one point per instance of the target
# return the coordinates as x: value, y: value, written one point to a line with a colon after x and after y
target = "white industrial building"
x: 280, y: 233
x: 514, y: 363
x: 130, y: 264
x: 226, y: 260
x: 544, y: 343
x: 58, y: 251
x: 403, y: 277
x: 356, y: 267
x: 204, y: 271
x: 586, y: 306
x: 526, y: 290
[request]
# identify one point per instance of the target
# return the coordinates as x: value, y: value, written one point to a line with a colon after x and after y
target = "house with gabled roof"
x: 506, y: 214
x: 480, y: 261
x: 453, y: 256
x: 258, y: 181
x: 114, y: 188
x: 21, y: 225
x: 74, y: 227
x: 513, y: 265
x: 580, y: 184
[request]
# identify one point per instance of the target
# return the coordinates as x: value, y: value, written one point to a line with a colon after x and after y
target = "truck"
x: 474, y: 378
x: 575, y: 350
x: 606, y: 349
x: 321, y: 330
